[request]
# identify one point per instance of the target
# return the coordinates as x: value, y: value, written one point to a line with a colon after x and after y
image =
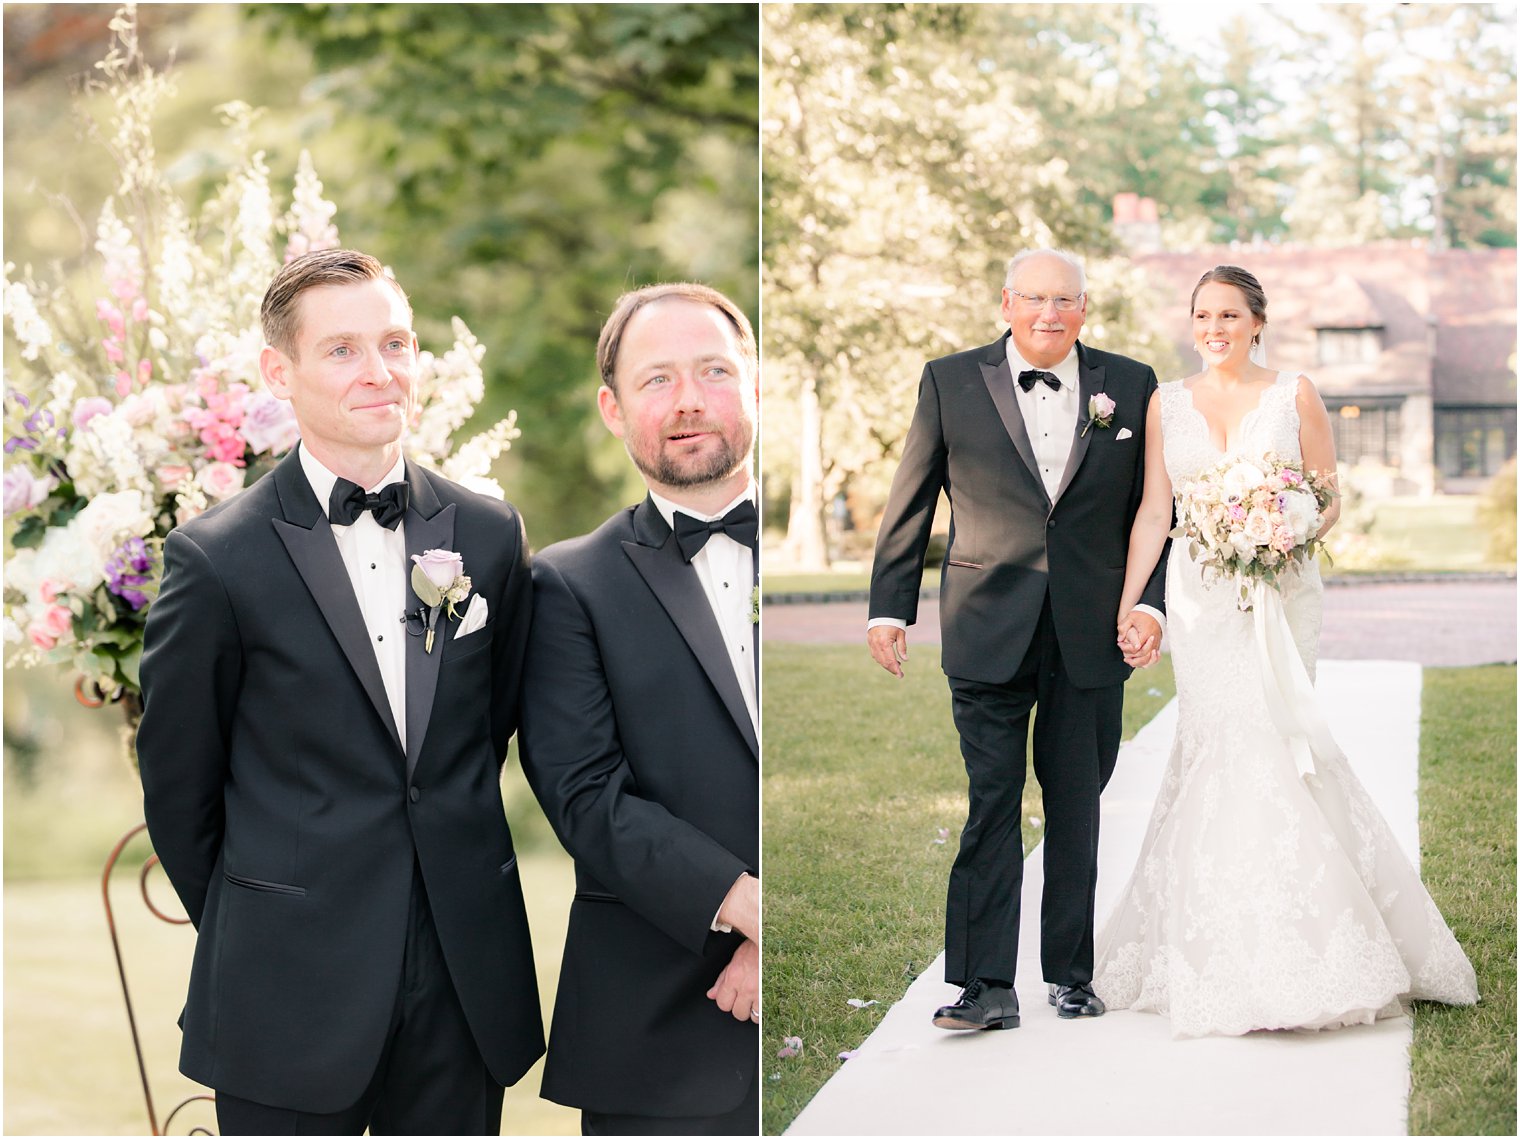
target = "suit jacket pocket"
x: 265, y: 887
x: 595, y: 896
x: 472, y: 643
x: 964, y: 565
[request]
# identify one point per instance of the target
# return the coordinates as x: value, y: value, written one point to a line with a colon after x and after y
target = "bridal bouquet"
x: 1250, y: 520
x: 138, y: 405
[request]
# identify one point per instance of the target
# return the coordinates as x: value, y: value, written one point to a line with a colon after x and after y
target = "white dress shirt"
x: 726, y: 569
x: 1050, y: 421
x: 377, y: 567
x: 1050, y: 416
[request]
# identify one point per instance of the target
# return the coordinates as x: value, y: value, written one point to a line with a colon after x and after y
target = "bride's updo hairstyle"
x: 1256, y: 297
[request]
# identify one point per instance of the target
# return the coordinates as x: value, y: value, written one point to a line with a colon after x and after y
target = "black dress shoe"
x: 1072, y: 1001
x: 981, y: 1005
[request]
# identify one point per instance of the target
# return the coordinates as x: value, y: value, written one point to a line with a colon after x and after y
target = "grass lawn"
x: 69, y: 1066
x: 1463, y: 1059
x: 856, y: 792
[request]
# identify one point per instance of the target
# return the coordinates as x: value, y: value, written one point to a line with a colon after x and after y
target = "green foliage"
x: 523, y: 165
x: 1463, y: 1059
x: 1496, y: 513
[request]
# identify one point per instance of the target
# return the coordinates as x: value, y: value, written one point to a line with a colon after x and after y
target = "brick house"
x: 1412, y: 348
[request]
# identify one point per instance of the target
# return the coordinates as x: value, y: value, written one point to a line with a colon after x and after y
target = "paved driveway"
x: 1433, y: 623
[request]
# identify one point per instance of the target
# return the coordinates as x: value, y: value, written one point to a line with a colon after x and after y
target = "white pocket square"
x: 475, y: 614
x: 1124, y: 433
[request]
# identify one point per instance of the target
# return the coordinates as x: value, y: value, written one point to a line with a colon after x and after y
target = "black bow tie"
x: 742, y: 524
x: 348, y: 501
x: 1027, y: 379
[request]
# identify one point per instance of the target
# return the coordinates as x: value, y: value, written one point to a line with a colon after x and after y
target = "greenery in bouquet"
x: 137, y: 407
x: 1251, y: 520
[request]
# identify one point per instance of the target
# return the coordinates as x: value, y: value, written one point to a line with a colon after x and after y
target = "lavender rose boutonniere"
x: 439, y: 581
x: 1100, y: 411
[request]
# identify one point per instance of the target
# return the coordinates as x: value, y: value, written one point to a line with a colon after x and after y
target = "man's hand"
x: 1139, y: 639
x: 889, y: 647
x: 741, y: 907
x: 737, y: 989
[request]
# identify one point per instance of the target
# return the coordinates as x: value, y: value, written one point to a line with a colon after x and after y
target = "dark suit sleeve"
x: 1154, y: 593
x: 509, y: 643
x: 662, y: 867
x: 191, y: 672
x: 903, y: 538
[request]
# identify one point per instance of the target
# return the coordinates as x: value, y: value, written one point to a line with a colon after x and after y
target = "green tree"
x: 523, y: 165
x: 908, y: 152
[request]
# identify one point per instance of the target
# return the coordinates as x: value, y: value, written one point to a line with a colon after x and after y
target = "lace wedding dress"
x: 1261, y: 900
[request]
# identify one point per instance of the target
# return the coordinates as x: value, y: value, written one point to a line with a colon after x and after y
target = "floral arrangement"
x: 139, y: 409
x: 1249, y: 521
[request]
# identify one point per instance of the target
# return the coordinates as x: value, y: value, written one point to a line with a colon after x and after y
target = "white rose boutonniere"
x: 1100, y: 410
x: 439, y: 581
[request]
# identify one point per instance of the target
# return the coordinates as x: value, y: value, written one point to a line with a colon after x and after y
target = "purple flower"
x: 130, y: 569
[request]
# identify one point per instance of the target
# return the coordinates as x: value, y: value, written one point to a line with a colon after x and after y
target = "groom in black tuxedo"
x: 1039, y: 441
x: 320, y: 781
x: 639, y: 717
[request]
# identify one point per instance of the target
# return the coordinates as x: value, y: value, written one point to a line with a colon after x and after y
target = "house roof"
x: 1447, y: 317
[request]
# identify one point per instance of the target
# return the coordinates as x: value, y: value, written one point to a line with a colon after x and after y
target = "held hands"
x: 889, y: 647
x: 737, y: 989
x: 1139, y: 639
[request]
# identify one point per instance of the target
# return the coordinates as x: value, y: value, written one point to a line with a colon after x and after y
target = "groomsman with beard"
x: 321, y: 786
x: 639, y: 737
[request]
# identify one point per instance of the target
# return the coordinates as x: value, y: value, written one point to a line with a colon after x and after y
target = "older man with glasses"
x: 1039, y: 441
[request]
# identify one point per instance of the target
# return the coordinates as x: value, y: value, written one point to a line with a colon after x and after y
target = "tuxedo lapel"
x: 309, y: 541
x: 999, y: 380
x: 429, y: 526
x: 1090, y: 380
x: 657, y: 558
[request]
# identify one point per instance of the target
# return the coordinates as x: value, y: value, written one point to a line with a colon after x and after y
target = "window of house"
x: 1474, y: 442
x: 1350, y: 345
x: 1367, y: 430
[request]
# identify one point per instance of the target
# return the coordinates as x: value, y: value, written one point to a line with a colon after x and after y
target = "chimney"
x: 1137, y: 223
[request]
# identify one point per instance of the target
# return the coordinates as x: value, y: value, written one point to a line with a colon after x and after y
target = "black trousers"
x: 743, y: 1120
x: 1076, y: 742
x: 430, y: 1079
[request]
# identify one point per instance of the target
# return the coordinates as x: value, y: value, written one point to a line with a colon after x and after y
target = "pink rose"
x: 269, y: 424
x: 1102, y: 406
x: 172, y: 475
x: 220, y: 480
x: 90, y: 407
x: 49, y: 590
x: 53, y: 625
x: 441, y: 566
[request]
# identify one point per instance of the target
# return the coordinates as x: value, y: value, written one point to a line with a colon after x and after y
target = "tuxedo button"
x: 1050, y: 523
x: 414, y: 794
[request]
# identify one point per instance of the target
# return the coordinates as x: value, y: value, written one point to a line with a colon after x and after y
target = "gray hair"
x: 1019, y: 258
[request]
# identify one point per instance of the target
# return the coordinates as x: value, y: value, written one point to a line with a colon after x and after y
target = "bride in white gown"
x: 1261, y: 899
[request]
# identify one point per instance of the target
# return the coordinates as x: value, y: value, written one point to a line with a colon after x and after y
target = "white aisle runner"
x: 1124, y: 1074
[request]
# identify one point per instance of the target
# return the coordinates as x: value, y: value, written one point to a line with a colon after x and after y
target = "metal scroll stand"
x: 126, y: 995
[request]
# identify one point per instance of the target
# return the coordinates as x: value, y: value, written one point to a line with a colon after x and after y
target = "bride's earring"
x: 1258, y: 352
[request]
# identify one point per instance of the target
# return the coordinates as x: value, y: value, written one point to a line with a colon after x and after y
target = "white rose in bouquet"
x: 1240, y: 480
x: 1302, y: 513
x: 1258, y: 526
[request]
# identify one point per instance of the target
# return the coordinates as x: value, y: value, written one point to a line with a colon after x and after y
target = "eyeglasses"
x: 1038, y: 301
